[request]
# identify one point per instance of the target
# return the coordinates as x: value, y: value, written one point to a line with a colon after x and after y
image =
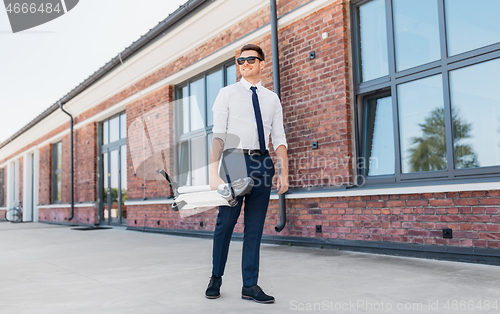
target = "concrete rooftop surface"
x: 54, y: 269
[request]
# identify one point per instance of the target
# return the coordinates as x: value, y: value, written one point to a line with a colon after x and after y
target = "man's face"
x: 251, y: 71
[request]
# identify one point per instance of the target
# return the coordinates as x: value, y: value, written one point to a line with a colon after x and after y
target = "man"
x: 252, y: 113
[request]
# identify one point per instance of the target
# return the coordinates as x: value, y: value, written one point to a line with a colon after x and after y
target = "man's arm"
x: 282, y: 182
x: 216, y: 153
x: 279, y: 140
x: 220, y: 117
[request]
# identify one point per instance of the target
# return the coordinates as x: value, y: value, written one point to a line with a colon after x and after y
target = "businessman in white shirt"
x: 251, y: 112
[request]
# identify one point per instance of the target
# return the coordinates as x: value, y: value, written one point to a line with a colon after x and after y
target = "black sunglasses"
x: 250, y: 60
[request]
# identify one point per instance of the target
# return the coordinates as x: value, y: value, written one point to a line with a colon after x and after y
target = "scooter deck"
x: 192, y: 197
x: 201, y: 199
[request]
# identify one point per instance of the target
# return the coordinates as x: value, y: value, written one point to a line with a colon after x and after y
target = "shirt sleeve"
x: 220, y: 111
x: 278, y: 130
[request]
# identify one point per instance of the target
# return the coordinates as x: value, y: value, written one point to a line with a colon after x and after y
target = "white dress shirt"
x: 233, y: 113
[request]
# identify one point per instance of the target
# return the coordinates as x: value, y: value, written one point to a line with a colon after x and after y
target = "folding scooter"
x: 190, y: 197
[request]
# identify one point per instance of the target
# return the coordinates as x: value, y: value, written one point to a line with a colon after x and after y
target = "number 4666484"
x: 464, y: 305
x: 32, y: 8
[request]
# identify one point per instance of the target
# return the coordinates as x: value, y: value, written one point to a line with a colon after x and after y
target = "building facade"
x: 390, y: 112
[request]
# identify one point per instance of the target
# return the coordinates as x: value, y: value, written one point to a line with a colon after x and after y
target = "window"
x: 113, y: 183
x: 114, y: 129
x: 380, y: 152
x: 425, y: 81
x: 373, y: 41
x: 194, y: 121
x: 57, y: 172
x: 2, y: 187
x: 471, y: 28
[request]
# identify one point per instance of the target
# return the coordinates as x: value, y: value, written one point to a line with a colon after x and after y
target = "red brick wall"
x: 85, y: 159
x: 407, y: 218
x: 285, y: 6
x: 45, y: 171
x: 83, y: 215
x: 157, y: 112
x: 85, y: 164
x: 66, y: 173
x: 315, y: 94
x: 161, y: 216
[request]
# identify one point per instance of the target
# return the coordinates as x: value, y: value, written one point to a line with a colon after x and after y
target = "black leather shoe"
x: 213, y: 289
x: 256, y: 294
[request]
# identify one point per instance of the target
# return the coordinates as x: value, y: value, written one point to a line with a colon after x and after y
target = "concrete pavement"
x: 53, y: 269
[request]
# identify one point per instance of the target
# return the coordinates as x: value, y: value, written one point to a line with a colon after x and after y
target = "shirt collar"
x: 247, y: 84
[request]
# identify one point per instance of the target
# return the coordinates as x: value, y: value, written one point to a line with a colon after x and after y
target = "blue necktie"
x: 258, y: 119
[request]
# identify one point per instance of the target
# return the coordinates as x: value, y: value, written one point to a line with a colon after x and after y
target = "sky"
x: 40, y: 65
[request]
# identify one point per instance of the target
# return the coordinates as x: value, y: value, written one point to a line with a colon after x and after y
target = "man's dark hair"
x: 253, y: 47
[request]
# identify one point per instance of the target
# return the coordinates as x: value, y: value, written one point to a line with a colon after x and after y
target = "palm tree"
x: 429, y: 154
x: 465, y: 157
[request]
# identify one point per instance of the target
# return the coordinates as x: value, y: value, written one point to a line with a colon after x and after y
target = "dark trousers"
x: 261, y: 170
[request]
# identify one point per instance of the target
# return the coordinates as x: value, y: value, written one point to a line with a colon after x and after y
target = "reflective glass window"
x: 214, y: 84
x: 195, y: 100
x: 57, y: 172
x: 59, y: 156
x: 105, y: 180
x: 422, y: 125
x: 113, y: 171
x: 372, y: 32
x: 183, y: 110
x: 379, y: 135
x: 231, y: 74
x: 447, y: 112
x: 2, y: 187
x: 471, y: 25
x: 123, y: 175
x: 105, y: 133
x: 114, y: 129
x: 123, y: 126
x: 475, y: 104
x: 58, y: 187
x: 416, y: 32
x: 197, y: 104
x: 183, y: 162
x: 199, y: 169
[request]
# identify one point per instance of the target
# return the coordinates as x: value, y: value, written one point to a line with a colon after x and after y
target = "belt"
x: 251, y: 152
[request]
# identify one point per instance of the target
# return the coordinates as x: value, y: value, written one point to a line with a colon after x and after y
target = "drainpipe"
x: 277, y: 90
x: 71, y: 168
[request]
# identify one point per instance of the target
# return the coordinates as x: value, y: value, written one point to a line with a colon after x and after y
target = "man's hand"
x: 282, y: 183
x: 215, y: 180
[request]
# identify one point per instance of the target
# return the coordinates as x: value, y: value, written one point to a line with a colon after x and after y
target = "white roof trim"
x: 483, y: 186
x: 78, y: 205
x: 148, y: 202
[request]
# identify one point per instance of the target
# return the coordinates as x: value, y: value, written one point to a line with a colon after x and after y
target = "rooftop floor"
x: 54, y: 269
